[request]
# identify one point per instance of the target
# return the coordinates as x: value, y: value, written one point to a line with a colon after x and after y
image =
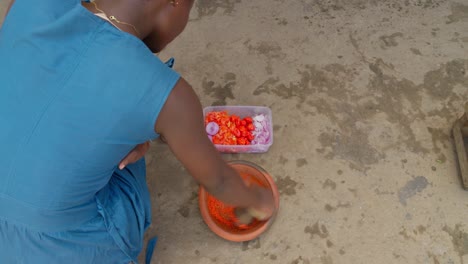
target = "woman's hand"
x: 265, y: 206
x: 135, y: 154
x: 262, y: 210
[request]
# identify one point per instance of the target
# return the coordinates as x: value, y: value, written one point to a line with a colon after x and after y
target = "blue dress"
x: 76, y: 95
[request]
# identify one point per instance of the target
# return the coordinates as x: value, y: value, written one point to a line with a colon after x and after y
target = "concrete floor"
x: 364, y: 94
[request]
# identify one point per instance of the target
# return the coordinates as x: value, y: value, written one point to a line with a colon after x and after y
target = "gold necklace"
x: 113, y: 18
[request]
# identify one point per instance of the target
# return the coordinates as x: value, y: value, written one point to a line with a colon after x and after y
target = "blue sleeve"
x: 163, y: 82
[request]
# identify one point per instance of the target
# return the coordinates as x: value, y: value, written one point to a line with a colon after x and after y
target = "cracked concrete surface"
x: 364, y: 94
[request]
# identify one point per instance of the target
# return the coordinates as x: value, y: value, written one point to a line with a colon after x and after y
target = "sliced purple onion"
x: 262, y: 130
x: 259, y: 118
x: 210, y: 137
x: 212, y: 128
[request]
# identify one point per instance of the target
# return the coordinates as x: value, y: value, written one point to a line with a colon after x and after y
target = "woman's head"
x: 157, y: 22
x: 168, y: 22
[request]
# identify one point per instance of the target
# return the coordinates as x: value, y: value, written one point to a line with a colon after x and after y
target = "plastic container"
x: 256, y: 174
x: 244, y: 111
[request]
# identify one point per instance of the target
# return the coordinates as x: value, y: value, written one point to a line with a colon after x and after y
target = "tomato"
x: 243, y: 123
x: 250, y: 127
x: 223, y: 130
x: 248, y: 120
x: 217, y: 140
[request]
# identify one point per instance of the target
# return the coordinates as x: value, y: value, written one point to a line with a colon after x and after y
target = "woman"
x: 81, y: 95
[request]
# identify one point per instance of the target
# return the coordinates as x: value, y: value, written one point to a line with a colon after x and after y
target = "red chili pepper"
x: 233, y: 130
